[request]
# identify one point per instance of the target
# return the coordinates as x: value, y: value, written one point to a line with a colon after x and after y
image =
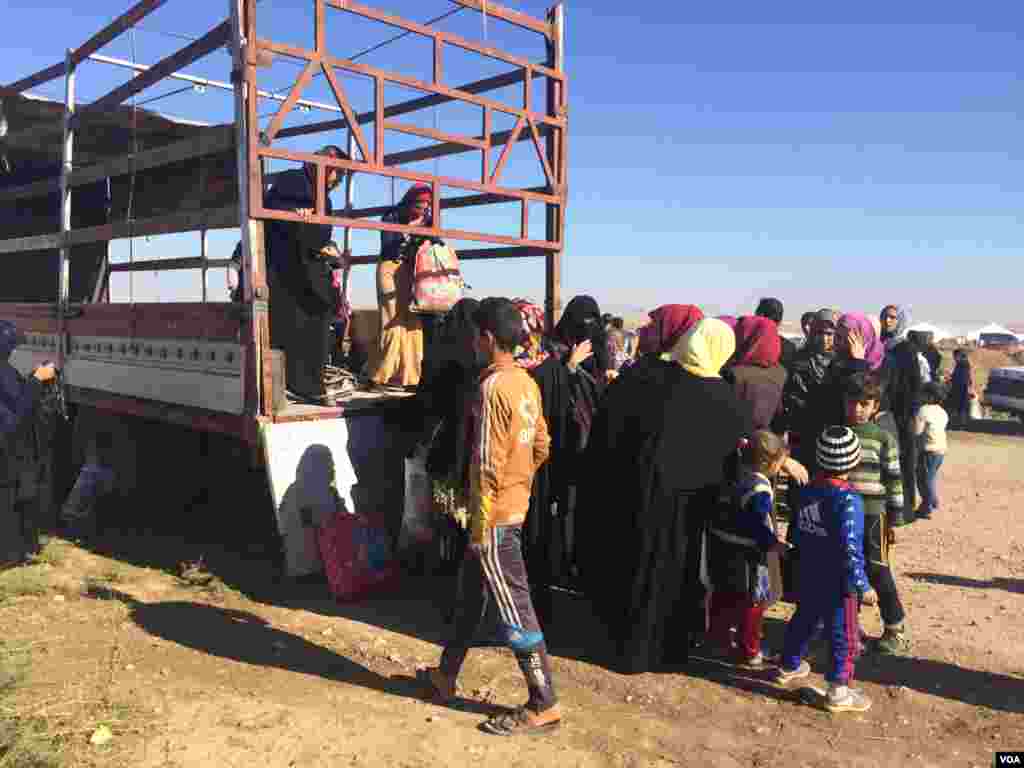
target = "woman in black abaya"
x: 569, y: 369
x: 657, y: 457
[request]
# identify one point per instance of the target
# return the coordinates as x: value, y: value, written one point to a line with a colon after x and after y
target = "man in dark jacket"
x: 18, y: 400
x: 773, y: 310
x: 300, y: 258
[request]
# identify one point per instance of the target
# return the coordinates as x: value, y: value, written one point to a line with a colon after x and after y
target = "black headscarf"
x: 581, y: 321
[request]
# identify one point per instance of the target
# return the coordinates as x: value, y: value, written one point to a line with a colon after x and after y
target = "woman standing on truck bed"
x: 299, y: 261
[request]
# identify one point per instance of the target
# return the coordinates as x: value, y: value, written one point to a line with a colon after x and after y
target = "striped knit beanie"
x: 838, y: 450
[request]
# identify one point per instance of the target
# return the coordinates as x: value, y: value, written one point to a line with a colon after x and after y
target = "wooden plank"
x: 398, y: 173
x: 521, y: 20
x: 32, y: 243
x: 296, y: 52
x: 405, y: 107
x: 220, y: 139
x: 122, y: 23
x: 27, y: 191
x: 427, y: 133
x: 209, y: 42
x: 191, y: 221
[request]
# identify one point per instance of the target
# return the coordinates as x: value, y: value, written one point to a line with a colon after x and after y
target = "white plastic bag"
x: 418, y: 512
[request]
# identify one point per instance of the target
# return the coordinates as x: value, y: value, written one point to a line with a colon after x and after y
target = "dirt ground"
x: 220, y: 665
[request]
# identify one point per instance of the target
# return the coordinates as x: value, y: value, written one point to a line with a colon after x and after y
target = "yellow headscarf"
x: 705, y: 348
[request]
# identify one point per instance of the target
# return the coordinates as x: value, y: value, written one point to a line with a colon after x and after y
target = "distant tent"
x: 938, y: 334
x: 990, y: 328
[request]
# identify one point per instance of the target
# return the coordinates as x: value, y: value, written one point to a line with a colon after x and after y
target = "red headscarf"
x: 757, y: 342
x: 667, y: 326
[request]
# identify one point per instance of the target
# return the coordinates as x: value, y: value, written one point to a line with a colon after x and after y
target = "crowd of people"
x: 645, y: 469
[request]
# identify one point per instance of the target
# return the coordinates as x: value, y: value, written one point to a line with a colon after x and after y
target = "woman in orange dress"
x: 399, y: 358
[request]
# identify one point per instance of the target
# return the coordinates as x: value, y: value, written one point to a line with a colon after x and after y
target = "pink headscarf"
x: 728, y: 320
x: 874, y: 351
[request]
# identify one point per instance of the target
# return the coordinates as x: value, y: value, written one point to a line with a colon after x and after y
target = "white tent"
x: 938, y: 333
x: 990, y: 328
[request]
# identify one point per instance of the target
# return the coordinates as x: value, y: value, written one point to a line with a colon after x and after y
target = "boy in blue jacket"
x: 829, y: 535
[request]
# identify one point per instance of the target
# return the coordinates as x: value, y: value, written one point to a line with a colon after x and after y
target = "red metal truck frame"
x: 544, y: 125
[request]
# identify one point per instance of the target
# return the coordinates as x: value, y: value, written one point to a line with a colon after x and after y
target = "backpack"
x: 437, y: 283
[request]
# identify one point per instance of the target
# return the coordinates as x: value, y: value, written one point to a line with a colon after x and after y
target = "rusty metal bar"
x: 474, y: 254
x: 521, y: 20
x: 444, y: 150
x: 438, y: 61
x: 485, y: 156
x: 524, y: 220
x: 359, y: 9
x: 356, y: 133
x: 435, y: 204
x: 552, y: 182
x: 527, y: 89
x: 398, y: 173
x: 208, y: 83
x: 463, y: 201
x: 160, y: 265
x: 507, y: 151
x: 212, y: 40
x: 320, y: 25
x: 554, y: 228
x: 410, y: 82
x: 90, y: 46
x: 121, y: 24
x: 381, y: 226
x: 293, y: 96
x: 428, y: 133
x: 378, y: 121
x: 405, y: 107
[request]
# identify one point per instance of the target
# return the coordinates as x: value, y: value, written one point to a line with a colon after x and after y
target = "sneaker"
x: 893, y: 642
x: 785, y: 676
x: 844, y: 699
x: 750, y: 662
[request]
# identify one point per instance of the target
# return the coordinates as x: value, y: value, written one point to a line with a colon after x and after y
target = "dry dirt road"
x: 240, y: 672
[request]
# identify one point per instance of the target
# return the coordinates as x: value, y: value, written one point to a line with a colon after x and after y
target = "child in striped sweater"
x: 878, y: 480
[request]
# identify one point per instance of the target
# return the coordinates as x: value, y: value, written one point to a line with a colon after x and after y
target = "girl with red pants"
x: 743, y: 554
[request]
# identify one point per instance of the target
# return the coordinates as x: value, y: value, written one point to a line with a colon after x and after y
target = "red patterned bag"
x: 437, y: 283
x: 357, y: 557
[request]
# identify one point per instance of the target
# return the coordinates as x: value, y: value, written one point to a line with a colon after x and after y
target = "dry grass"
x: 45, y: 728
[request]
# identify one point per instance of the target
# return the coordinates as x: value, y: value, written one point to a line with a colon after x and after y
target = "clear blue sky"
x: 844, y: 154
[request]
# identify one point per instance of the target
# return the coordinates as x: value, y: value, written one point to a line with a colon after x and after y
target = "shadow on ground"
x: 1010, y: 427
x: 1009, y: 585
x: 245, y: 637
x: 416, y: 609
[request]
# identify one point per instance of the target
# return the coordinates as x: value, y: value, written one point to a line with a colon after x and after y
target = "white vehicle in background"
x: 1005, y: 390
